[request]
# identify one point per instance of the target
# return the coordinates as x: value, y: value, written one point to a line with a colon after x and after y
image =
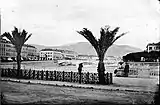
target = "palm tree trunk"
x: 101, y: 73
x: 18, y: 64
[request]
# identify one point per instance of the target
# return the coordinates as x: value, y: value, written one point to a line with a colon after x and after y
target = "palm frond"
x: 16, y: 35
x: 107, y: 27
x: 101, y: 40
x: 1, y: 36
x: 89, y: 36
x: 119, y: 37
x: 27, y: 37
x: 23, y: 36
x: 105, y: 39
x: 9, y: 36
x: 15, y: 32
x: 114, y: 32
x: 112, y: 35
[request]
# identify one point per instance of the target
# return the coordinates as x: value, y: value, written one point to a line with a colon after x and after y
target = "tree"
x: 17, y: 38
x: 101, y: 45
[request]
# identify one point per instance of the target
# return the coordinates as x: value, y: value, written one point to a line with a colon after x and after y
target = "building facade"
x: 8, y: 51
x: 153, y: 47
x: 50, y: 54
x: 67, y: 54
x: 54, y: 54
x: 87, y: 57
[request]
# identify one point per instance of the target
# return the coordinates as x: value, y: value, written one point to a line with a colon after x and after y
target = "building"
x: 29, y: 52
x: 153, y: 47
x: 52, y: 54
x: 87, y: 57
x: 8, y: 51
x: 67, y: 54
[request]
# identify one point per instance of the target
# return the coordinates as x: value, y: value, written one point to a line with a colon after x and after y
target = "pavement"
x: 119, y: 83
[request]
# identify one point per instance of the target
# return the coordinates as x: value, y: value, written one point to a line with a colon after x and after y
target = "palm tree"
x: 17, y: 38
x: 101, y: 45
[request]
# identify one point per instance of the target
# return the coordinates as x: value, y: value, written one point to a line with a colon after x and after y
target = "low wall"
x: 144, y: 69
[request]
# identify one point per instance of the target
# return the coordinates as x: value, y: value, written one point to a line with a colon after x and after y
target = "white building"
x: 50, y: 54
x: 87, y: 57
x: 153, y: 47
x: 8, y: 51
x: 67, y: 54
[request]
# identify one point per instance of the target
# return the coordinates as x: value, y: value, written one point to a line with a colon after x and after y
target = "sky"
x: 55, y: 22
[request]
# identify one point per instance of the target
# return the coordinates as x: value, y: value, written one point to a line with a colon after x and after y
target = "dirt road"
x: 20, y: 93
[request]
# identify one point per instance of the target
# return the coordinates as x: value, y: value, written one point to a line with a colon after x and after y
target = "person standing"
x: 126, y: 69
x: 80, y: 71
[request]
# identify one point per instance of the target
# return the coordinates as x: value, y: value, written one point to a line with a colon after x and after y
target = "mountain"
x: 85, y: 48
x: 39, y: 47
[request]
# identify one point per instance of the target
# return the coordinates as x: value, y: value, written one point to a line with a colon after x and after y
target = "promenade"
x: 123, y: 91
x: 119, y: 83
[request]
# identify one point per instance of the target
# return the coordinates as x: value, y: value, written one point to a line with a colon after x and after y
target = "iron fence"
x: 87, y: 78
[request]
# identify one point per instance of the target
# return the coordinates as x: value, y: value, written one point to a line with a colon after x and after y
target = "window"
x: 8, y: 45
x: 157, y: 48
x: 150, y: 48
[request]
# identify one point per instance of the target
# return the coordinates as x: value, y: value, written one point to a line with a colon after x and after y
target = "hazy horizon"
x: 55, y: 22
x: 82, y: 42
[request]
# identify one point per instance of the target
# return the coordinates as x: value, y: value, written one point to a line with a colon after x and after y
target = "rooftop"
x: 47, y: 49
x: 58, y: 50
x: 2, y: 40
x: 154, y: 44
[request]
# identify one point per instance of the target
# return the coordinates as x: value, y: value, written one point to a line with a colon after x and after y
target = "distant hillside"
x: 85, y: 48
x: 39, y: 47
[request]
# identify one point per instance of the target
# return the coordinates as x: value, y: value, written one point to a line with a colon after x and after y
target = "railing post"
x: 33, y: 74
x: 9, y: 74
x: 51, y: 76
x: 87, y: 77
x: 71, y: 76
x: 29, y: 76
x: 107, y: 78
x: 47, y: 75
x: 55, y: 75
x: 5, y: 72
x: 111, y: 79
x: 42, y: 74
x: 20, y: 73
x: 80, y: 77
x: 63, y: 76
x: 14, y: 72
x: 24, y: 74
x: 2, y: 72
x: 37, y: 75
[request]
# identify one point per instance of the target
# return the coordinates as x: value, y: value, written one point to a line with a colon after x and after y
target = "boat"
x: 66, y: 64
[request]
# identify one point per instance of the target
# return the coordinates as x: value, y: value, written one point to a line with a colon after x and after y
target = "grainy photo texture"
x: 79, y: 52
